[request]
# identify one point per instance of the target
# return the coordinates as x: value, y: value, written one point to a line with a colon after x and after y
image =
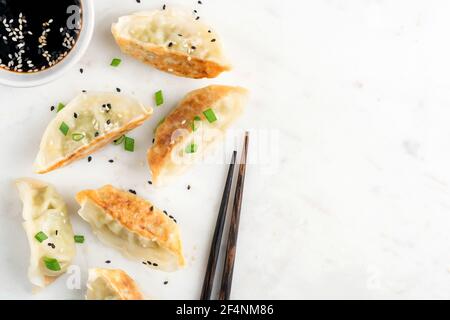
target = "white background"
x: 353, y: 199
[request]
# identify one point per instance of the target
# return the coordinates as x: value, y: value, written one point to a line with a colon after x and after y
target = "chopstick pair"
x: 227, y: 276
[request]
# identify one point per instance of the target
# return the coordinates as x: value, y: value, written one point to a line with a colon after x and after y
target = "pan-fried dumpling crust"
x: 173, y: 41
x: 167, y: 157
x: 93, y: 121
x: 44, y: 210
x: 109, y: 284
x: 132, y: 225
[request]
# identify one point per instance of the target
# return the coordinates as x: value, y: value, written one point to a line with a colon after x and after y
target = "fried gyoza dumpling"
x: 108, y: 284
x: 87, y: 123
x: 133, y: 226
x: 48, y: 229
x: 200, y: 119
x: 173, y: 41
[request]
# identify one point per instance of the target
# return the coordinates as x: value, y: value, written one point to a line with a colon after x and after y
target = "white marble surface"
x: 350, y: 199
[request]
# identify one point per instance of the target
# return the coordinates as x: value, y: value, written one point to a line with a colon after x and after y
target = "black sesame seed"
x: 56, y: 232
x: 189, y: 187
x: 175, y: 220
x: 108, y: 261
x: 148, y: 262
x: 209, y: 31
x: 75, y: 115
x: 195, y: 11
x: 151, y: 208
x: 111, y: 161
x: 198, y: 18
x: 97, y: 134
x: 180, y: 35
x: 84, y: 91
x: 108, y: 122
x: 138, y: 1
x: 118, y: 89
x: 213, y: 40
x: 171, y: 217
x: 164, y: 7
x: 166, y: 282
x: 193, y: 47
x: 149, y: 182
x: 170, y: 44
x: 52, y: 108
x: 132, y: 191
x: 81, y: 70
x: 89, y: 159
x: 165, y: 212
x: 155, y: 264
x: 153, y: 141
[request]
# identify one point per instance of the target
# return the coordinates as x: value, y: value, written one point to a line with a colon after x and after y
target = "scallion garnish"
x: 78, y: 238
x: 60, y: 107
x: 40, y: 236
x: 159, y: 98
x: 115, y: 62
x: 64, y: 128
x: 210, y: 115
x: 119, y: 141
x: 52, y: 264
x: 77, y: 136
x: 192, y: 148
x: 129, y: 144
x: 196, y: 123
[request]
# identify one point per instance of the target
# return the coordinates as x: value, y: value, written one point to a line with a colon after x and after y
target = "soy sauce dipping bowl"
x: 23, y: 80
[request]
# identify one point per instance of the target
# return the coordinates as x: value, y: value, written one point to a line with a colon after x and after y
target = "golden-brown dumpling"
x: 109, y: 284
x: 133, y: 226
x: 200, y: 120
x: 87, y: 123
x: 173, y: 41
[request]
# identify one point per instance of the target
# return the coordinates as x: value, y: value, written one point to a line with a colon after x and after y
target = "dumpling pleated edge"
x: 119, y: 281
x: 169, y: 61
x: 129, y: 219
x: 193, y: 104
x: 93, y: 146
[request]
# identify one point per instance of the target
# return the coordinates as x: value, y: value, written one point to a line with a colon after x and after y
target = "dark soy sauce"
x: 36, y: 35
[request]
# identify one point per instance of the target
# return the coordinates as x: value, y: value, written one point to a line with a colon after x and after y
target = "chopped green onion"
x: 195, y: 123
x: 192, y: 148
x: 115, y: 62
x: 60, y: 107
x: 40, y: 236
x: 119, y: 141
x: 159, y: 123
x: 159, y: 98
x: 77, y: 136
x: 64, y: 128
x: 210, y: 115
x: 129, y: 144
x: 78, y: 238
x: 52, y: 264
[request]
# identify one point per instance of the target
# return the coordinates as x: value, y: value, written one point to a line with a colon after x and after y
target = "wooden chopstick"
x: 227, y: 277
x: 218, y: 232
